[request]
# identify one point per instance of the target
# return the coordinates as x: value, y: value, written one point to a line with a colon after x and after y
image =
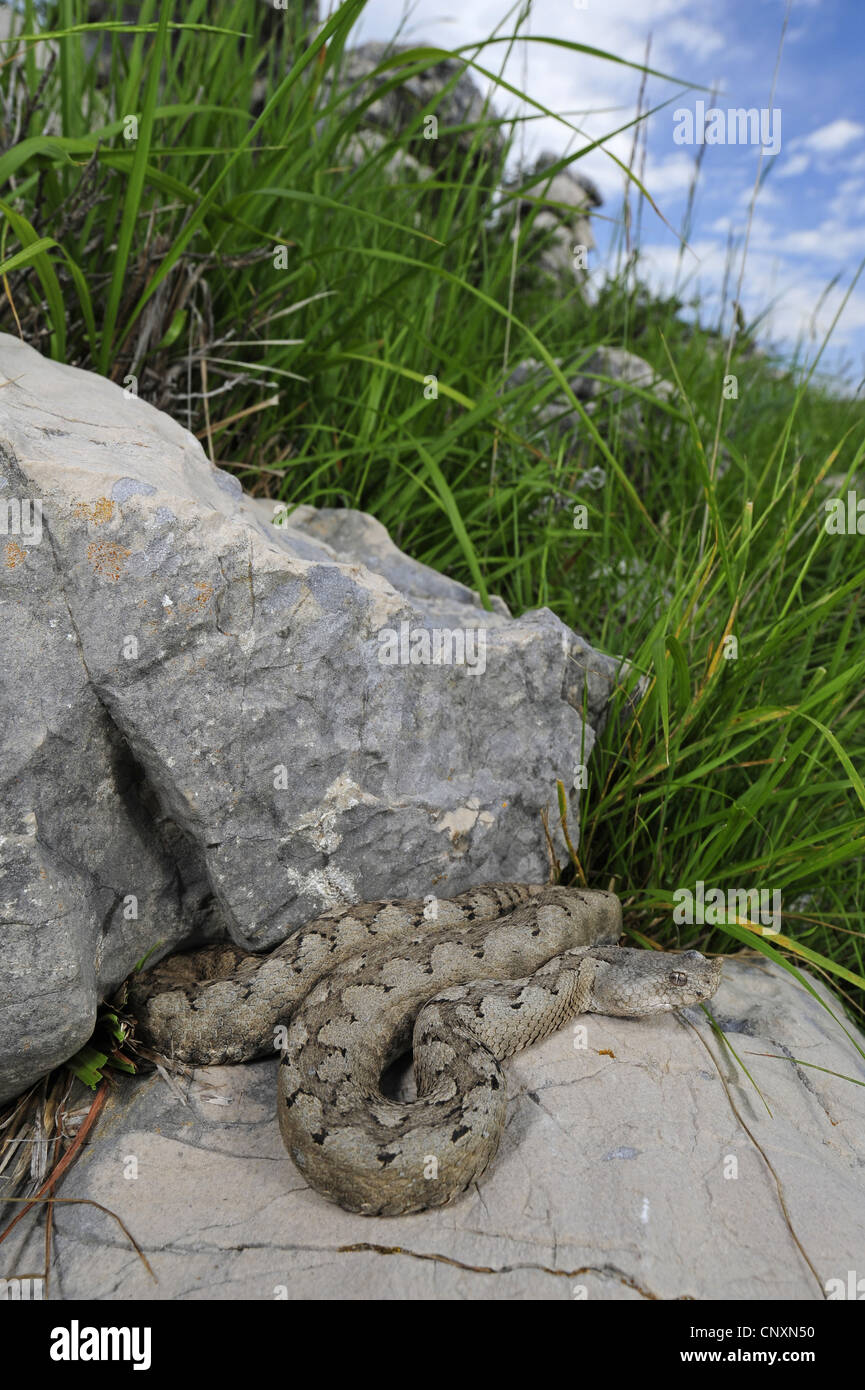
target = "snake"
x: 463, y: 983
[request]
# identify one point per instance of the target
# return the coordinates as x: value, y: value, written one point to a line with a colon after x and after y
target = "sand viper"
x: 464, y: 982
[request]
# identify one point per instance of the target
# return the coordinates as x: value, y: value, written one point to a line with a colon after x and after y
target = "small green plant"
x: 104, y: 1051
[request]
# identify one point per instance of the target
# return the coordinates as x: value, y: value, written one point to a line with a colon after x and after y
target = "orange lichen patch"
x: 605, y: 1052
x: 203, y: 595
x: 14, y: 555
x: 107, y: 559
x: 97, y: 513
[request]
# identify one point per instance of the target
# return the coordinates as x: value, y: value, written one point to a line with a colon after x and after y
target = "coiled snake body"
x: 465, y: 982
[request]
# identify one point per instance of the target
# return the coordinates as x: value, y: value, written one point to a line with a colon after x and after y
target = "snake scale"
x: 464, y: 982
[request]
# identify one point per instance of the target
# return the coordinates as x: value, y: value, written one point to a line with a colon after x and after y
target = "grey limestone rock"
x: 214, y: 725
x: 561, y: 223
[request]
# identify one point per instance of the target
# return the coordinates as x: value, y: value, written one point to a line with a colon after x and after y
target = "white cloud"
x: 795, y: 290
x: 848, y: 203
x: 691, y: 36
x: 793, y: 166
x: 827, y: 242
x: 671, y: 175
x: 766, y: 198
x: 835, y: 136
x: 789, y: 261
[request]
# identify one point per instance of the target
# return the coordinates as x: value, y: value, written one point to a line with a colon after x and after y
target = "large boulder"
x: 443, y: 89
x: 206, y: 720
x: 624, y: 1173
x: 559, y: 207
x: 605, y: 384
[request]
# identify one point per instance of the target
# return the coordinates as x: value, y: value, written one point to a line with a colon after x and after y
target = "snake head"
x: 631, y: 984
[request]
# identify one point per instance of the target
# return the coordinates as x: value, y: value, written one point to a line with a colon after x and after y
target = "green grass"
x: 159, y: 259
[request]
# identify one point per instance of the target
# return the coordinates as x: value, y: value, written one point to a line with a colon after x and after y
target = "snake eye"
x: 678, y: 977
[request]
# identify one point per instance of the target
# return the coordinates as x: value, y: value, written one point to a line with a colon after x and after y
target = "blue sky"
x: 809, y: 220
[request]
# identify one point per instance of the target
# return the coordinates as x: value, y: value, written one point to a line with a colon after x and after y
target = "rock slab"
x: 624, y: 1174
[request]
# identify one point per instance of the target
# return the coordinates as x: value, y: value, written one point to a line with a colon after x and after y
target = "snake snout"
x: 699, y: 979
x: 633, y: 983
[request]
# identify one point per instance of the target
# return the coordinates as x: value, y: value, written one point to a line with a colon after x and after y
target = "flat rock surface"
x: 624, y: 1173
